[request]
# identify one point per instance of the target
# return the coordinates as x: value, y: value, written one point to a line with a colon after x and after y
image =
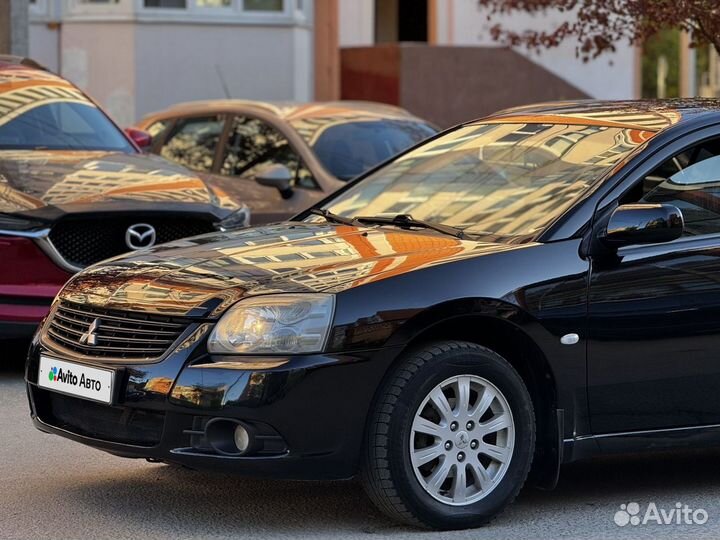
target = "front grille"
x: 82, y: 242
x: 117, y: 334
x: 90, y: 419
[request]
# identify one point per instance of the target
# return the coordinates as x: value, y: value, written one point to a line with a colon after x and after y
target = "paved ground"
x: 52, y: 488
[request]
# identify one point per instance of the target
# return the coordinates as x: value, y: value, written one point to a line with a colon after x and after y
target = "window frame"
x: 170, y: 129
x: 650, y: 163
x: 235, y: 12
x: 297, y: 13
x: 230, y: 116
x: 39, y: 9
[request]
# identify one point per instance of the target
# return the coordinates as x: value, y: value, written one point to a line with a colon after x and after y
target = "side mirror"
x: 643, y: 224
x: 141, y: 138
x: 277, y: 176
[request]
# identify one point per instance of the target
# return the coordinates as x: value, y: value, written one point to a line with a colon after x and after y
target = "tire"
x: 412, y: 492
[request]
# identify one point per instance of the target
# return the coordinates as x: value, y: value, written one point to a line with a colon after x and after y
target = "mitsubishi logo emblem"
x: 140, y: 236
x: 462, y: 439
x: 89, y: 337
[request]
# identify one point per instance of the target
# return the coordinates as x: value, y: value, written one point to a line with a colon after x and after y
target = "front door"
x: 251, y: 145
x: 654, y: 311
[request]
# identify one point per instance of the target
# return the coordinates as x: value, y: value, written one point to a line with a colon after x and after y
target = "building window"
x: 213, y: 3
x: 174, y: 4
x: 263, y: 5
x: 250, y: 11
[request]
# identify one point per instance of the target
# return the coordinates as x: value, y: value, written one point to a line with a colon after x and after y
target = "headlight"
x: 239, y: 219
x: 274, y: 324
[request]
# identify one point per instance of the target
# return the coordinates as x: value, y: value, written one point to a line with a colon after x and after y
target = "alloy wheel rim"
x: 462, y: 440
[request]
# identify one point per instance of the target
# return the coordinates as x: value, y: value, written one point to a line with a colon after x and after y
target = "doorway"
x: 401, y: 20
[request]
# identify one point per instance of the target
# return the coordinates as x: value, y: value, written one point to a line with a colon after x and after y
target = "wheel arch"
x: 500, y: 327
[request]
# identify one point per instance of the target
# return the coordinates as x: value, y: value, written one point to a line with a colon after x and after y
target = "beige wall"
x: 99, y: 58
x: 45, y: 45
x: 134, y: 68
x: 180, y: 62
x: 356, y: 23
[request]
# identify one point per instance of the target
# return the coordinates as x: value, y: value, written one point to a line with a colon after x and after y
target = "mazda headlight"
x: 16, y: 223
x: 274, y: 324
x: 239, y: 219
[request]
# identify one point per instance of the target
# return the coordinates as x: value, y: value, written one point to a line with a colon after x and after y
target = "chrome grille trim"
x: 121, y: 336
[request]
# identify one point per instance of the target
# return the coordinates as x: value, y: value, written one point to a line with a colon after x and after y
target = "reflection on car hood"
x: 203, y: 275
x: 33, y: 181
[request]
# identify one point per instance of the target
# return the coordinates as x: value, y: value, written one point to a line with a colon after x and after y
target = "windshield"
x: 39, y: 111
x: 499, y: 179
x: 349, y: 148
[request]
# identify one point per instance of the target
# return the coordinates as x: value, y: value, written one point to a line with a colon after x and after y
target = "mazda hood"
x: 46, y: 184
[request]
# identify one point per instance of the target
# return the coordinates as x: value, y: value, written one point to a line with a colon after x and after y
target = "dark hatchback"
x: 76, y: 189
x: 522, y: 291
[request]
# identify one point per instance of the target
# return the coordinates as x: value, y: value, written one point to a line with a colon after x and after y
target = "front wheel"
x: 450, y: 439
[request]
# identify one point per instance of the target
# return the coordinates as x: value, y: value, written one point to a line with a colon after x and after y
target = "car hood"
x: 202, y: 276
x: 43, y: 184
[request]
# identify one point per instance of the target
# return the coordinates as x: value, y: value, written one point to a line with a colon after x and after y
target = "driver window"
x: 253, y: 144
x: 690, y: 181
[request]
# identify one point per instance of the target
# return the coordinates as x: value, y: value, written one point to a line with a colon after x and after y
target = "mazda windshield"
x: 39, y: 111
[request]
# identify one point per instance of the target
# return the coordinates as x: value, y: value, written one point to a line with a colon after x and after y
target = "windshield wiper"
x: 334, y: 218
x: 406, y: 220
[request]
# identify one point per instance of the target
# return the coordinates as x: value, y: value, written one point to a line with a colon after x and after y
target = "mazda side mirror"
x: 277, y: 176
x: 142, y: 139
x: 643, y: 224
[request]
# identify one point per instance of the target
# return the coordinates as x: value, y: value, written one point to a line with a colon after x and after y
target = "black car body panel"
x: 637, y: 372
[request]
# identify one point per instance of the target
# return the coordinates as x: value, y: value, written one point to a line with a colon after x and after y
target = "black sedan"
x: 519, y: 292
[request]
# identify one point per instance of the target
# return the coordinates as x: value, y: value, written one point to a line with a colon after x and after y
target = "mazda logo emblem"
x: 140, y: 236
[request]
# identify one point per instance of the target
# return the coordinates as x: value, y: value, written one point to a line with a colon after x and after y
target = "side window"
x: 156, y: 130
x: 193, y: 142
x: 690, y: 181
x: 253, y: 144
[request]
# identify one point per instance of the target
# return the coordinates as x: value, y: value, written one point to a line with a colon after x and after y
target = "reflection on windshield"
x: 349, y: 149
x: 348, y: 142
x: 41, y: 111
x: 502, y: 179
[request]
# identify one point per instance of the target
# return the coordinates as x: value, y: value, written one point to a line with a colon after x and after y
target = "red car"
x: 76, y: 189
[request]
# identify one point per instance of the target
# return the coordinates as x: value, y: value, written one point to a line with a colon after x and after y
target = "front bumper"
x: 29, y: 281
x: 313, y: 409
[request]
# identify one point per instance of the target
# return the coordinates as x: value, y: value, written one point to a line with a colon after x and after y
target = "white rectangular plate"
x: 76, y: 379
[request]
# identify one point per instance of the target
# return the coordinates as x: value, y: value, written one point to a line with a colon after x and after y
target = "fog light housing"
x: 242, y: 438
x: 230, y: 437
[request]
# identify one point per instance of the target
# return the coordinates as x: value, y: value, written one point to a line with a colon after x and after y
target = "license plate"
x: 76, y: 379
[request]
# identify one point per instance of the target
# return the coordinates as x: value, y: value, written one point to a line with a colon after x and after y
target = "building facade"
x: 138, y: 56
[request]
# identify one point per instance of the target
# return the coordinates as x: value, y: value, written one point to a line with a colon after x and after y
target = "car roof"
x: 11, y: 61
x: 287, y: 110
x: 648, y: 115
x: 18, y: 72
